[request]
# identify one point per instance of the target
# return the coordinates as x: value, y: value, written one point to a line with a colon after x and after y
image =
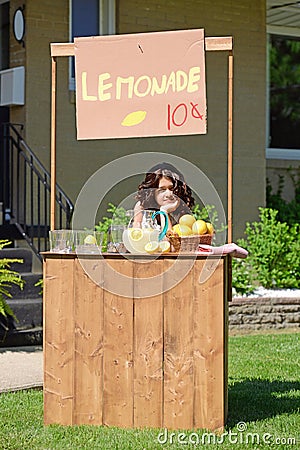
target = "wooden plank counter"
x: 113, y: 356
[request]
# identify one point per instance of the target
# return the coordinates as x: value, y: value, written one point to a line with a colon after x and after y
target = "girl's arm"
x: 137, y: 215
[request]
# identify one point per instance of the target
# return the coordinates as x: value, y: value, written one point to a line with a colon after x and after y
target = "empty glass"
x: 115, y: 239
x: 61, y: 241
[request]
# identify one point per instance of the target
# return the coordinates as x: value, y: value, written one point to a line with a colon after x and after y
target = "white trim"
x: 70, y: 20
x: 71, y: 80
x: 283, y: 30
x: 278, y: 153
x: 100, y: 17
x: 282, y: 153
x: 112, y: 17
x: 267, y: 92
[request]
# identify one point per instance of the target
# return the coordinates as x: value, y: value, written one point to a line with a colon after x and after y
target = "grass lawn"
x: 264, y: 406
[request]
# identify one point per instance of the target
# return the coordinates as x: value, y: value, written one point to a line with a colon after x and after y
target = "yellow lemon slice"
x: 136, y: 234
x: 90, y: 240
x: 164, y: 246
x: 152, y: 247
x: 133, y: 118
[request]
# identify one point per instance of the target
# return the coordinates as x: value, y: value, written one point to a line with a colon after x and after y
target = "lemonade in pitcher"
x: 136, y: 239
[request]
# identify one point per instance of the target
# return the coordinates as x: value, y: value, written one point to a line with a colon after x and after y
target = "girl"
x: 165, y: 189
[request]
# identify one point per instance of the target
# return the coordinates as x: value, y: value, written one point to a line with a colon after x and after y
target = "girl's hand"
x: 170, y: 207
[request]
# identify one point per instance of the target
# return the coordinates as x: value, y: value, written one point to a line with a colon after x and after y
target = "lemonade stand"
x: 138, y: 339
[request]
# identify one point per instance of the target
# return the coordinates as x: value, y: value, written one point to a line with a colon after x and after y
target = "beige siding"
x: 48, y: 21
x: 289, y: 170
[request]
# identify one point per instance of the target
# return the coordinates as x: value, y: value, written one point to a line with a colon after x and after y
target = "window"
x: 284, y: 92
x: 283, y: 83
x: 90, y: 18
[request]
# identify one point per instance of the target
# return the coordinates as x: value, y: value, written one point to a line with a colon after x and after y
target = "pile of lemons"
x: 189, y: 226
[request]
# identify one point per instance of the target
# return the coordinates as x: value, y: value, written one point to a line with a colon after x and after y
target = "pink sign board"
x: 137, y: 85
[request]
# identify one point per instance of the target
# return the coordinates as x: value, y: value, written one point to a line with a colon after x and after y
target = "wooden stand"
x: 135, y: 362
x: 214, y: 44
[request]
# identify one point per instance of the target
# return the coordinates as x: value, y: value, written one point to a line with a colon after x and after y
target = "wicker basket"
x: 187, y: 243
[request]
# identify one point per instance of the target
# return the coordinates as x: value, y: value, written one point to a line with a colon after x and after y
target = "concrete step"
x: 28, y: 311
x: 18, y: 253
x: 29, y: 290
x: 20, y: 338
x: 26, y: 304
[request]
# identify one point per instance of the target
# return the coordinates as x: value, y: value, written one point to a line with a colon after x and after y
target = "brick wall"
x: 48, y: 21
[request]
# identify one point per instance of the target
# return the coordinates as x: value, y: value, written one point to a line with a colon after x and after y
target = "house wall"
x: 48, y: 21
x: 286, y: 172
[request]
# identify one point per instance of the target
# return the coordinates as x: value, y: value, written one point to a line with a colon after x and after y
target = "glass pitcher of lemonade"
x: 135, y: 238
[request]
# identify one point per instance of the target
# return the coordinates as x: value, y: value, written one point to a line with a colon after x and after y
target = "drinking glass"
x: 87, y: 241
x: 61, y: 241
x: 115, y: 239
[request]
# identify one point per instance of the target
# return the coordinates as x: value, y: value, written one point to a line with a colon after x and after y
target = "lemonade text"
x: 129, y: 87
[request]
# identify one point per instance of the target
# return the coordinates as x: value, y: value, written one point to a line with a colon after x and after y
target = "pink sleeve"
x: 231, y: 249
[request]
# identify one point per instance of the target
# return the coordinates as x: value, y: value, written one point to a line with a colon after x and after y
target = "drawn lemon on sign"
x: 134, y: 118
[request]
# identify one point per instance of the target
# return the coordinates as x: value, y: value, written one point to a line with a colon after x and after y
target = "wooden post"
x: 56, y: 50
x: 229, y: 137
x: 53, y: 144
x: 219, y: 44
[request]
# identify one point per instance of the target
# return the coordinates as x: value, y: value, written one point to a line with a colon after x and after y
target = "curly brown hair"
x: 146, y: 190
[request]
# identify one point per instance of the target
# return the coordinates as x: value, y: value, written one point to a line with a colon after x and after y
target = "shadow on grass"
x: 256, y: 399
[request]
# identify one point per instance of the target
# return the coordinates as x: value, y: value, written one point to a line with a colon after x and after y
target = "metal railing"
x: 26, y: 192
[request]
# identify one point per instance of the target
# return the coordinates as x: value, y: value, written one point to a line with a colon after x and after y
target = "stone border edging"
x: 261, y: 313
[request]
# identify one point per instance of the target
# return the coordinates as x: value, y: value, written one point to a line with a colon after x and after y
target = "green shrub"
x: 40, y: 284
x: 209, y: 214
x: 274, y: 255
x: 242, y: 276
x: 287, y: 211
x: 7, y: 278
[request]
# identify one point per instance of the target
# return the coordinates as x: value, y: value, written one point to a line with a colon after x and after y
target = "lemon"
x: 187, y: 219
x: 152, y: 247
x: 164, y: 246
x: 199, y: 227
x: 182, y: 230
x: 134, y: 118
x: 90, y: 240
x: 210, y: 228
x: 136, y: 234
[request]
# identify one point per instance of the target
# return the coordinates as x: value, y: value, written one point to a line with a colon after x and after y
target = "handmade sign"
x: 136, y: 85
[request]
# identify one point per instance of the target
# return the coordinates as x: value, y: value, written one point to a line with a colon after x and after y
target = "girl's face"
x: 164, y: 193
